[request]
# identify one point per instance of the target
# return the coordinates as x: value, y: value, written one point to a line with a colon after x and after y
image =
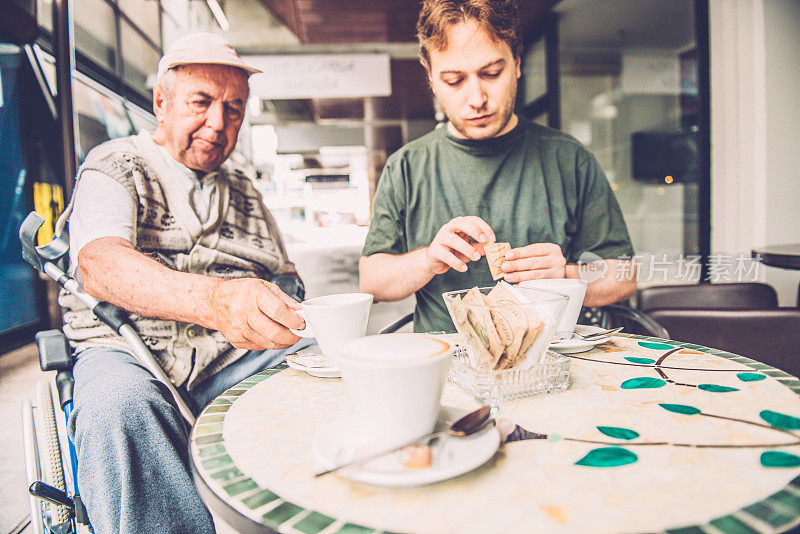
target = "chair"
x: 730, y: 296
x: 771, y: 336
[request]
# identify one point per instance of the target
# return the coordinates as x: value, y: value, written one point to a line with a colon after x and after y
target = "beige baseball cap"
x: 202, y: 48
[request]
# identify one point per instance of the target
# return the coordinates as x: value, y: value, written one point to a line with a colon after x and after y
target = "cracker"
x: 495, y: 255
x: 481, y: 321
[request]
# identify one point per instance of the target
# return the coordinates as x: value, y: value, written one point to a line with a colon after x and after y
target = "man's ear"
x: 518, y: 66
x: 159, y: 101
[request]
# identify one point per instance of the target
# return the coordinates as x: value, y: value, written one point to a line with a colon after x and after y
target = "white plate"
x: 576, y: 344
x: 343, y: 440
x: 311, y: 361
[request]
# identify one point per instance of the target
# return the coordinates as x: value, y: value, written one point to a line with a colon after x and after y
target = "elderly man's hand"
x: 539, y: 260
x: 254, y: 314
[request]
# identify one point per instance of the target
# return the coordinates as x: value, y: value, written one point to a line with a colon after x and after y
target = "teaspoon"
x: 467, y: 425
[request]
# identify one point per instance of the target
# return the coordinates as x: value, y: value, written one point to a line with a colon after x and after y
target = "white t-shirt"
x: 104, y: 208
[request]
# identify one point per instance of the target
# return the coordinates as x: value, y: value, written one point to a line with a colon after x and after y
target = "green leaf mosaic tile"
x: 608, y: 457
x: 204, y: 440
x: 212, y: 450
x: 618, y: 432
x: 240, y: 486
x: 643, y: 382
x: 714, y: 388
x: 313, y: 523
x: 259, y: 499
x: 350, y: 528
x: 226, y: 474
x: 779, y: 459
x: 680, y: 408
x: 645, y: 361
x: 217, y: 462
x: 218, y: 409
x: 750, y: 377
x: 780, y: 420
x: 281, y: 513
x: 655, y: 345
x: 768, y: 514
x: 687, y: 530
x: 731, y: 525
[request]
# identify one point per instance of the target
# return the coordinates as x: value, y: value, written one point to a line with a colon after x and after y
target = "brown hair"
x: 498, y: 17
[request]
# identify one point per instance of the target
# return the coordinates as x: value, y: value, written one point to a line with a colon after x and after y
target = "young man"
x: 487, y: 176
x: 164, y: 226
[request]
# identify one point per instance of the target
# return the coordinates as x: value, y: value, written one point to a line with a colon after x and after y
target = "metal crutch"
x: 44, y: 258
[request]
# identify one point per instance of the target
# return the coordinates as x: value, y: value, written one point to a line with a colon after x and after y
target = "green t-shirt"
x: 531, y: 185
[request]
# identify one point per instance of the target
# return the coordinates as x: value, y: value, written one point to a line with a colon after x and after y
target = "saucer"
x: 311, y: 361
x: 576, y: 344
x: 344, y: 440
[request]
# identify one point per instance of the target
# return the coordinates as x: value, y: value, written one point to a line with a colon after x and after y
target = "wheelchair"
x: 50, y: 458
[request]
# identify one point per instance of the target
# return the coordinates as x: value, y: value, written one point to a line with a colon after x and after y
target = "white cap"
x: 202, y: 48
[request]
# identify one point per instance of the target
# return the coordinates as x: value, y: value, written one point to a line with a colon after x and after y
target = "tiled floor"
x: 19, y: 371
x: 326, y: 272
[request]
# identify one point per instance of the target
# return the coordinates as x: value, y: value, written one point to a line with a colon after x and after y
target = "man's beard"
x: 469, y: 131
x: 505, y: 112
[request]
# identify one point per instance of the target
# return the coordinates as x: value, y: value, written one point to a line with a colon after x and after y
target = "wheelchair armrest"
x: 397, y: 325
x: 640, y: 318
x: 55, y: 353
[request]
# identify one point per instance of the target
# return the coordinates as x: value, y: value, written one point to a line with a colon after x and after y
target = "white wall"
x: 755, y: 152
x: 782, y: 31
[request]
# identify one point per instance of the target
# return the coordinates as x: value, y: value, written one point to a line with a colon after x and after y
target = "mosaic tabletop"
x: 651, y: 436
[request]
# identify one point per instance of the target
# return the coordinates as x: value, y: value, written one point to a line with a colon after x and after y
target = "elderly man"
x: 162, y: 225
x: 487, y: 176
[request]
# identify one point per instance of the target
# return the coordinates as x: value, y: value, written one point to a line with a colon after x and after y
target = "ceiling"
x: 318, y: 24
x: 364, y: 21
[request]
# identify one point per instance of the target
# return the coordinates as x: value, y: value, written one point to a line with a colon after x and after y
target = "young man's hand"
x: 451, y: 247
x: 539, y: 260
x: 254, y: 314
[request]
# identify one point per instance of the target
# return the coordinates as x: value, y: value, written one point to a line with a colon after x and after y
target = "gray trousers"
x: 132, y: 443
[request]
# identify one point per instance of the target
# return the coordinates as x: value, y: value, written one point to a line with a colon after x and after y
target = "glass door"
x: 21, y: 309
x: 629, y: 87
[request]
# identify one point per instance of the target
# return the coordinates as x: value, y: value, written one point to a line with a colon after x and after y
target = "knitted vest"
x: 240, y: 239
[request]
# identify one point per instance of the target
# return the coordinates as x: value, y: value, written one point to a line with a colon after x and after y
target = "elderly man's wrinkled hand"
x: 531, y: 262
x: 451, y: 247
x: 254, y: 314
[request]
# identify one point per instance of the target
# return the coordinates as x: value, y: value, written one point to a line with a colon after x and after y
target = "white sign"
x: 321, y: 76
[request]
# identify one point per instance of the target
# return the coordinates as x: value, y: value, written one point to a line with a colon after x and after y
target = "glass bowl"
x: 492, y: 387
x: 508, y: 326
x: 504, y: 332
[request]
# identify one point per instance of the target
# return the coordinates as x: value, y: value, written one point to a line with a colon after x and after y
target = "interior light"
x: 668, y: 179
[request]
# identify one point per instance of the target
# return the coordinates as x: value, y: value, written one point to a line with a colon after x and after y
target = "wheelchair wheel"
x: 49, y: 447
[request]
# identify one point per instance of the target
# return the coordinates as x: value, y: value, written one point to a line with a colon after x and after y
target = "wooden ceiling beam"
x: 287, y: 12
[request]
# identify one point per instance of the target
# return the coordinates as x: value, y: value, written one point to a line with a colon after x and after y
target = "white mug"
x: 395, y: 382
x: 575, y: 289
x: 335, y: 319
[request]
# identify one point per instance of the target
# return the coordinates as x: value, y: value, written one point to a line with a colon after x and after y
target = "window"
x: 95, y: 31
x: 139, y: 59
x: 629, y: 93
x: 144, y: 14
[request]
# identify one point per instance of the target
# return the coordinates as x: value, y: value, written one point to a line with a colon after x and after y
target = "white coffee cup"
x: 395, y: 382
x: 335, y: 319
x: 575, y: 289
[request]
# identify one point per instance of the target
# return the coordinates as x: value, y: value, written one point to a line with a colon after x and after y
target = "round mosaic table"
x: 651, y: 436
